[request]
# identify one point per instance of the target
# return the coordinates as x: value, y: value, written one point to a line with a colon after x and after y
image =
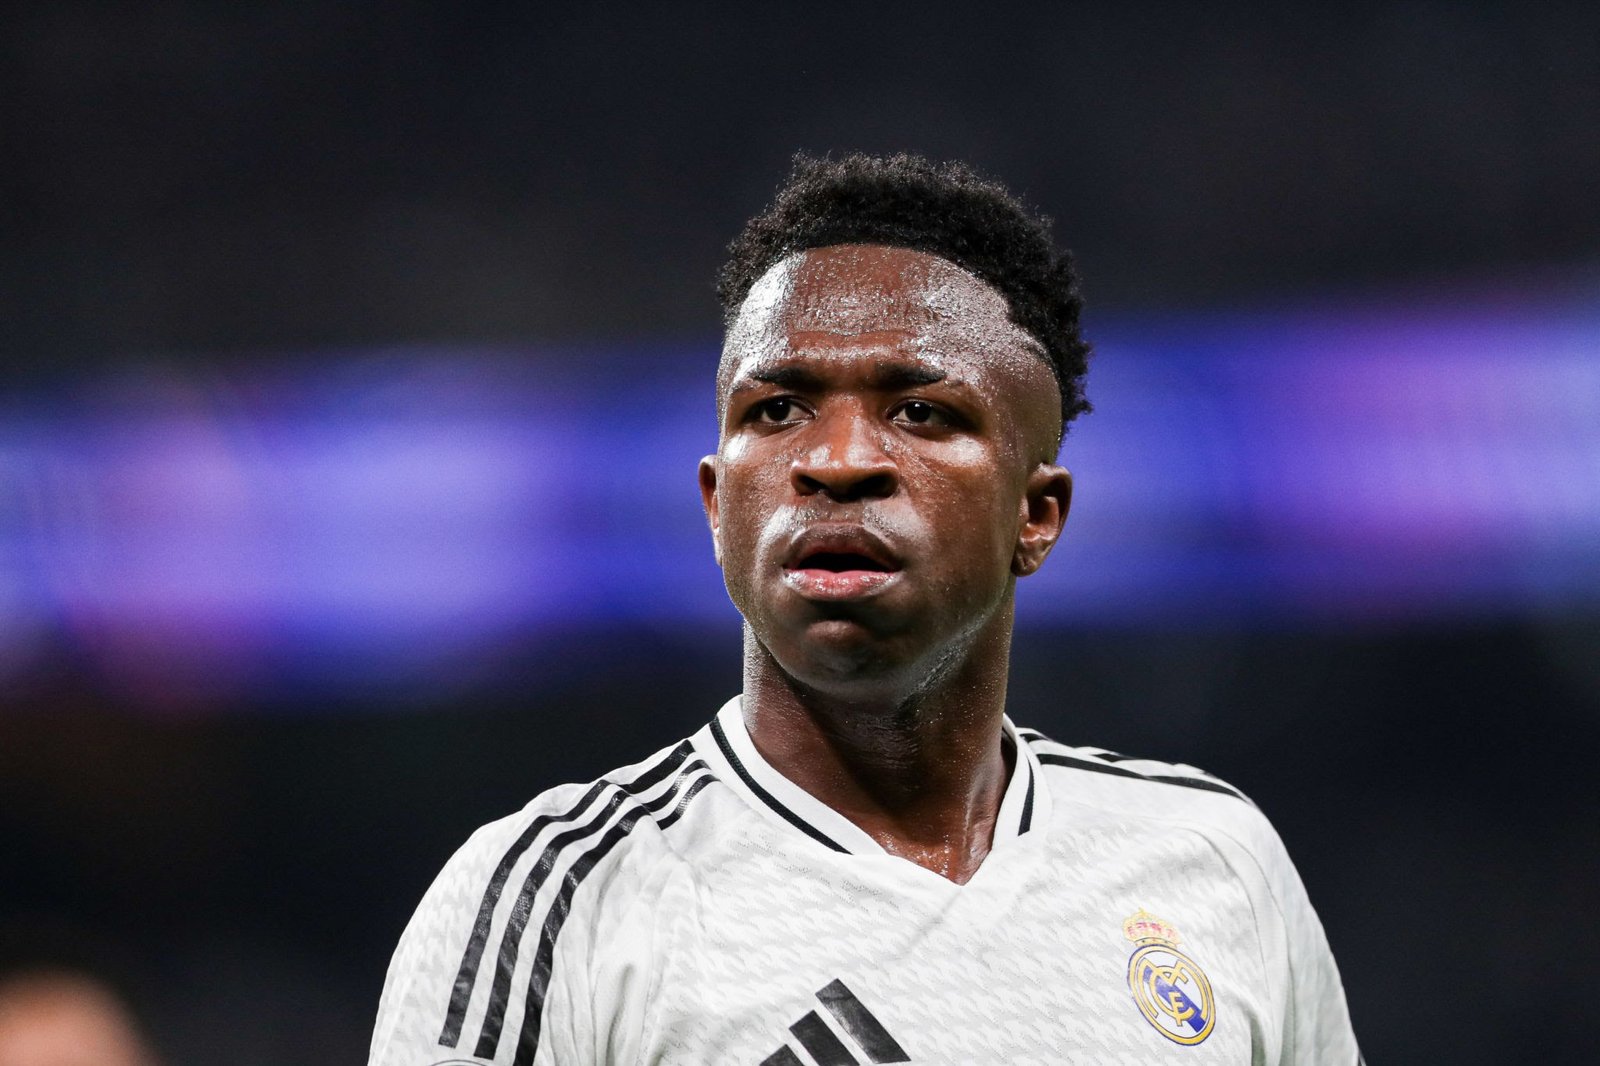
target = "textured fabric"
x: 699, y: 908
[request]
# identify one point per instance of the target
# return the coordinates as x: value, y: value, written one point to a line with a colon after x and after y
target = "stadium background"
x: 356, y: 358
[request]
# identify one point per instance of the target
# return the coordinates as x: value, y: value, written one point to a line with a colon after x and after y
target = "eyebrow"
x: 885, y: 376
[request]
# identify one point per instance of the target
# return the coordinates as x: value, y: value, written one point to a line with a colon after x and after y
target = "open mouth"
x: 842, y: 562
x: 837, y: 565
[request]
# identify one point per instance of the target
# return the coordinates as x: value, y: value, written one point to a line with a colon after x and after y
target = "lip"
x: 838, y: 584
x: 832, y: 581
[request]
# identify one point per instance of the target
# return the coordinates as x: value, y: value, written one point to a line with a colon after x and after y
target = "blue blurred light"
x: 383, y: 518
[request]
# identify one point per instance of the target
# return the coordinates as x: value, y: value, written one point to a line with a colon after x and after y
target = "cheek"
x: 984, y: 490
x: 742, y: 513
x: 963, y: 473
x: 733, y: 450
x: 964, y: 514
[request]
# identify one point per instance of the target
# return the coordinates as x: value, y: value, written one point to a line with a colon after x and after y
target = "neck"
x: 921, y: 769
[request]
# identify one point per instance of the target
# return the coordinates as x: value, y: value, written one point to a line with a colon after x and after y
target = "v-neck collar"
x: 726, y: 745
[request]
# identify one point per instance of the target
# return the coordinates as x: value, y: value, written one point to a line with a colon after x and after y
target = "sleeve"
x: 1316, y: 1028
x: 443, y: 989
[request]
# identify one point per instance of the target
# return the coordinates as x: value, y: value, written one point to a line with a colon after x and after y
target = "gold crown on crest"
x: 1146, y: 926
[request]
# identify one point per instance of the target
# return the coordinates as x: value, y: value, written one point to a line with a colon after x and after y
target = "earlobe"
x: 708, y: 498
x: 1042, y: 515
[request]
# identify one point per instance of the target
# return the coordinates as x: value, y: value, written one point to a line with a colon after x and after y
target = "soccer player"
x: 860, y: 859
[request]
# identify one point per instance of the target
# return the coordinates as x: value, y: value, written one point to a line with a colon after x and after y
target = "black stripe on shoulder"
x: 683, y: 802
x: 467, y: 975
x: 1114, y: 756
x: 561, y: 906
x: 766, y: 797
x: 1033, y: 735
x: 522, y: 909
x: 1106, y: 764
x: 1026, y: 822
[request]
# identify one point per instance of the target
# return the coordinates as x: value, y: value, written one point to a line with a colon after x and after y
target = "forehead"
x: 853, y: 298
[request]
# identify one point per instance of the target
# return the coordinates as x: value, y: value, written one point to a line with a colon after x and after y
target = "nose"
x: 844, y: 459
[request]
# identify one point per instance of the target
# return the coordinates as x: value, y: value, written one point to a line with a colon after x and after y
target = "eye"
x: 779, y: 410
x: 921, y: 413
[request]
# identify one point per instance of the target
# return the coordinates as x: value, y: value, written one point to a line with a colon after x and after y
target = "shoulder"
x: 1095, y: 784
x: 584, y: 823
x: 1150, y: 797
x: 571, y: 844
x: 474, y: 966
x: 1126, y: 769
x: 1176, y: 795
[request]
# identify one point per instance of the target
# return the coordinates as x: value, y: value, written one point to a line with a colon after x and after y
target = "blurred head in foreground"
x: 56, y: 1009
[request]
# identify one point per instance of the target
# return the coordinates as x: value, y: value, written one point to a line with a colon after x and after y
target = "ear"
x: 708, y: 497
x: 1041, y: 516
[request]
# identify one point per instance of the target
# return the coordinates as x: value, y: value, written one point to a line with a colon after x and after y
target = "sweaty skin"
x: 885, y: 472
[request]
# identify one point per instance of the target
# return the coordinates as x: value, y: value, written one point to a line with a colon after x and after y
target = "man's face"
x: 884, y: 469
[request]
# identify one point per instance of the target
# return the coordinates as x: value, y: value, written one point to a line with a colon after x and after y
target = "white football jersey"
x: 700, y: 908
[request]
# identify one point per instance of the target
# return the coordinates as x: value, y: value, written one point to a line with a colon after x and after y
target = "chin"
x: 839, y: 655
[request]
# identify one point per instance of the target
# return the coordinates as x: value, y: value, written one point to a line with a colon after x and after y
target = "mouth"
x: 842, y: 562
x: 839, y: 564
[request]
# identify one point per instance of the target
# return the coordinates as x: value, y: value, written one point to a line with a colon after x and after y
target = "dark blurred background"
x: 355, y: 359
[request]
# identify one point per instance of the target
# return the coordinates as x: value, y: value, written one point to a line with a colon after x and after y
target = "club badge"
x: 1172, y: 992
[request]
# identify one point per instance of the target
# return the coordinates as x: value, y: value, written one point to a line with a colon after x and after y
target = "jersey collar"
x: 726, y: 745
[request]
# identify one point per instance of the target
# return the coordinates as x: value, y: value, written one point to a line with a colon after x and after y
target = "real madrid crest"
x: 1172, y: 991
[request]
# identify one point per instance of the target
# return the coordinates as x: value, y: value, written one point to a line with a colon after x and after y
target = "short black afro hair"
x: 943, y: 209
